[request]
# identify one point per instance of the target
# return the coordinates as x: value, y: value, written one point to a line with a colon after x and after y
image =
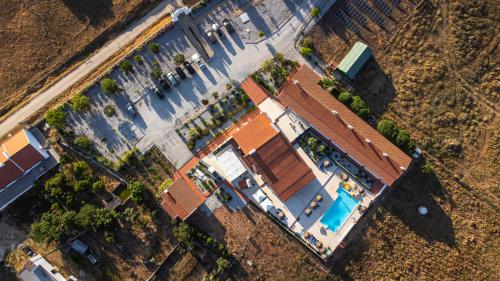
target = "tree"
x: 387, y: 128
x: 183, y: 233
x: 222, y: 264
x: 56, y: 118
x: 261, y: 34
x: 360, y: 107
x: 305, y: 51
x: 55, y: 186
x: 126, y: 66
x: 179, y: 59
x: 327, y: 83
x: 81, y: 170
x: 315, y: 12
x: 47, y: 229
x: 98, y: 186
x: 268, y: 65
x: 109, y: 110
x: 96, y: 219
x: 404, y: 141
x: 154, y: 48
x: 280, y: 57
x: 138, y: 59
x: 109, y: 86
x: 81, y: 185
x: 83, y: 142
x: 137, y: 191
x: 80, y: 102
x: 307, y: 42
x: 156, y: 71
x: 345, y: 97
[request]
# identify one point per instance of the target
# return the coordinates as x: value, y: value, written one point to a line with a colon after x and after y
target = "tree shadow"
x: 94, y: 12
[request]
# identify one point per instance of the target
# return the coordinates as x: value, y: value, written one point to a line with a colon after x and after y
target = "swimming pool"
x: 338, y: 212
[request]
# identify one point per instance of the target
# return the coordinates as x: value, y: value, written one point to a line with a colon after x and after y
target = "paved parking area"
x: 156, y: 119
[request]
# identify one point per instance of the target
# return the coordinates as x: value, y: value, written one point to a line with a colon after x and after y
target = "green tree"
x: 137, y: 191
x: 81, y: 185
x: 404, y: 141
x: 92, y: 217
x: 305, y: 51
x: 109, y: 86
x: 360, y: 107
x: 109, y: 110
x: 315, y: 12
x: 345, y: 97
x: 138, y: 59
x: 56, y: 118
x: 80, y: 102
x: 261, y: 34
x: 47, y: 229
x: 387, y: 128
x: 184, y: 234
x: 268, y: 65
x: 307, y: 42
x: 222, y: 264
x: 81, y: 170
x: 56, y: 185
x: 327, y: 83
x: 83, y: 142
x: 154, y: 48
x: 98, y: 186
x: 126, y: 66
x: 179, y: 59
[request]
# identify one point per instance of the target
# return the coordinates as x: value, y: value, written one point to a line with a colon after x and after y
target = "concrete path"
x: 87, y: 67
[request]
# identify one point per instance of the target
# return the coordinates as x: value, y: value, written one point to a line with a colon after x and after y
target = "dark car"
x: 228, y: 25
x: 189, y: 67
x: 212, y: 37
x: 164, y: 84
x: 27, y: 250
x: 216, y: 28
x: 158, y: 93
x: 181, y: 73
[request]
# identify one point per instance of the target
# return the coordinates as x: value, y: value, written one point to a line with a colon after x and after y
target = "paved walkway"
x: 87, y: 67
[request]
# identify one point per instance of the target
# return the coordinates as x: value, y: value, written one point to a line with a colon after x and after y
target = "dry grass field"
x: 40, y: 39
x: 437, y: 74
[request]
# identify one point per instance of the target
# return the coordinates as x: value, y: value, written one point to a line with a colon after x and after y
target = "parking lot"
x: 156, y: 119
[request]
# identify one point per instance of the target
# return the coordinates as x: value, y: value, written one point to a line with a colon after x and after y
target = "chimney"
x: 295, y: 82
x: 350, y: 127
x: 368, y: 141
x: 385, y: 154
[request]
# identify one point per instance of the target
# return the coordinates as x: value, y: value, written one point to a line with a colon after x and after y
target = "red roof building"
x: 179, y: 200
x: 352, y: 135
x: 18, y: 155
x: 256, y: 93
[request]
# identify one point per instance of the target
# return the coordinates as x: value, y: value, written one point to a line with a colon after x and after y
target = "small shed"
x: 354, y: 60
x: 79, y: 247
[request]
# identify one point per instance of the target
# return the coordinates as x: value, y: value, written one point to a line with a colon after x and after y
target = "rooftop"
x: 180, y: 200
x: 256, y: 93
x: 355, y: 59
x: 255, y: 133
x: 345, y: 129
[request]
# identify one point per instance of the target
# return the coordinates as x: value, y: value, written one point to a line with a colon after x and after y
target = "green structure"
x: 354, y: 60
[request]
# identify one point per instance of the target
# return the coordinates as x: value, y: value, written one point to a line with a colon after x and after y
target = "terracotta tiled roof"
x: 9, y: 172
x: 281, y: 166
x: 254, y: 134
x: 180, y: 201
x: 303, y: 95
x: 27, y: 157
x: 256, y: 93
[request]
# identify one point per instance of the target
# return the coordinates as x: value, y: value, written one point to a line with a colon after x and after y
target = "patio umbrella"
x: 313, y: 204
x: 307, y: 212
x: 319, y: 197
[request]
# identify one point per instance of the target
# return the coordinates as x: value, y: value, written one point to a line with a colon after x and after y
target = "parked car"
x: 212, y: 37
x: 130, y: 109
x: 164, y: 84
x: 84, y: 250
x: 228, y: 25
x: 216, y: 28
x: 179, y: 72
x: 172, y: 79
x: 27, y: 250
x: 158, y: 93
x: 197, y: 59
x: 189, y: 67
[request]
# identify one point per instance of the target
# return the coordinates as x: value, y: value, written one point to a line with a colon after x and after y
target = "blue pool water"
x: 338, y: 212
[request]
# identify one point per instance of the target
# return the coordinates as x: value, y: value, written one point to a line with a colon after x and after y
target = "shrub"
x: 426, y: 168
x: 137, y: 191
x: 168, y: 182
x: 387, y: 128
x: 306, y: 52
x: 327, y: 83
x: 222, y: 264
x: 126, y: 66
x: 229, y: 86
x: 261, y: 34
x: 204, y: 101
x: 154, y: 48
x: 307, y: 42
x: 179, y: 59
x: 81, y: 185
x: 184, y: 234
x: 345, y: 97
x: 312, y: 142
x: 138, y: 59
x: 83, y: 142
x: 280, y: 57
x: 360, y: 108
x: 315, y: 12
x: 267, y: 65
x: 109, y: 86
x: 80, y: 102
x: 98, y: 186
x: 404, y: 141
x: 81, y: 170
x: 215, y: 95
x: 193, y: 133
x: 109, y: 110
x: 56, y: 118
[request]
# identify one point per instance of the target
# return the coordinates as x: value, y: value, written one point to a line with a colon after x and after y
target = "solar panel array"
x: 350, y: 10
x: 347, y: 21
x: 395, y: 3
x: 386, y: 9
x: 365, y: 8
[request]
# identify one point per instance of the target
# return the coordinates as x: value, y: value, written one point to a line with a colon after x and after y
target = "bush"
x: 80, y: 102
x: 306, y: 52
x: 222, y: 264
x: 83, y: 142
x: 56, y: 118
x: 98, y: 186
x: 404, y: 141
x: 193, y: 133
x: 81, y: 185
x: 345, y: 98
x: 179, y: 59
x: 215, y: 95
x: 306, y: 42
x: 154, y: 48
x: 109, y: 110
x: 229, y: 86
x: 81, y: 170
x: 204, y: 101
x: 137, y: 191
x: 327, y: 83
x: 426, y: 168
x: 387, y: 128
x: 126, y: 66
x: 168, y: 182
x: 184, y: 234
x: 138, y: 59
x: 315, y: 12
x: 109, y: 86
x: 360, y: 108
x: 399, y: 137
x: 261, y: 34
x: 47, y: 229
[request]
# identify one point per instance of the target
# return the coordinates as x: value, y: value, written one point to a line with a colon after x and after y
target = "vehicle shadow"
x: 95, y: 12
